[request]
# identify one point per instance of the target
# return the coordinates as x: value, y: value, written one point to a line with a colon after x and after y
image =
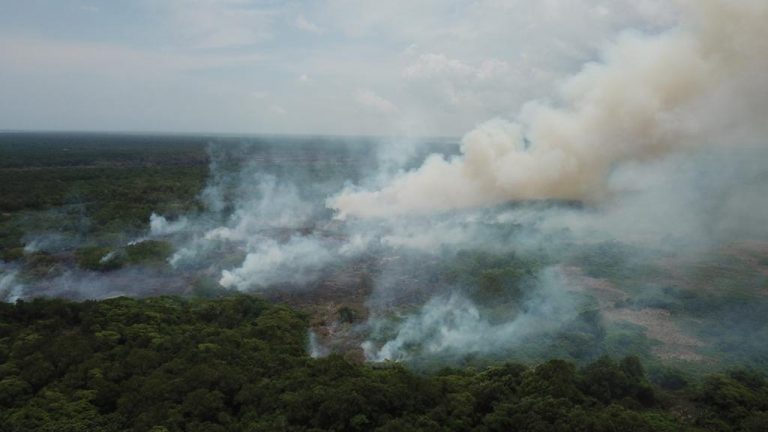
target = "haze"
x: 399, y: 67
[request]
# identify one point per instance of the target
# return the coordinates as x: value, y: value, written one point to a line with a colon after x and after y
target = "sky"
x: 333, y: 67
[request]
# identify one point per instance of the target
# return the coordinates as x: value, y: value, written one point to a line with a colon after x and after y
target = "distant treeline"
x: 46, y: 150
x: 94, y: 185
x: 238, y: 363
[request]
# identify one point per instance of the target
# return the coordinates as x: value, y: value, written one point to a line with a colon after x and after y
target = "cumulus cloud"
x: 211, y: 54
x: 277, y: 109
x: 210, y: 24
x: 370, y: 99
x: 431, y: 65
x: 304, y: 24
x: 451, y: 83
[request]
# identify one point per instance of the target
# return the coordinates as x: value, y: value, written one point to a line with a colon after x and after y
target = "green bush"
x: 238, y: 363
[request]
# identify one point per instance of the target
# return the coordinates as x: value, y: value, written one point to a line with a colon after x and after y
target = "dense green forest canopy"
x: 239, y: 363
x: 94, y: 184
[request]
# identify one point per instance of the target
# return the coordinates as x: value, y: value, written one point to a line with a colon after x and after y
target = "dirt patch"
x: 658, y: 323
x: 337, y: 311
x: 659, y: 326
x: 606, y: 294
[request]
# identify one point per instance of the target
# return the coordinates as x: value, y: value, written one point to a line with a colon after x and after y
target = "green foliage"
x: 494, y: 276
x: 104, y: 258
x: 79, y: 188
x: 239, y: 364
x: 148, y: 251
x: 11, y: 247
x: 606, y: 380
x: 96, y: 258
x: 111, y: 188
x: 734, y: 401
x: 139, y: 363
x: 41, y: 265
x: 347, y: 314
x: 217, y: 362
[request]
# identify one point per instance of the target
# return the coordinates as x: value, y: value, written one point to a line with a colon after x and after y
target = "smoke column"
x: 648, y: 97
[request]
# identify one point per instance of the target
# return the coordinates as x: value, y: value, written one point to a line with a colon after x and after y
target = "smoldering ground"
x: 627, y: 218
x: 526, y: 279
x: 661, y: 141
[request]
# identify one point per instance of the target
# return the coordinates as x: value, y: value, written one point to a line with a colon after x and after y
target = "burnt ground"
x: 338, y: 304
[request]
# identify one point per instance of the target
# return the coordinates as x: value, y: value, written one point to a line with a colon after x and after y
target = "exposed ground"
x: 674, y: 343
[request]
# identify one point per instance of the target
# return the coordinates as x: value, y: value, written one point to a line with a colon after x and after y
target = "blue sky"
x: 395, y: 67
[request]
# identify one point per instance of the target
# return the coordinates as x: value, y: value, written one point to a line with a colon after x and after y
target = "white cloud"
x: 411, y: 49
x: 369, y: 99
x: 489, y: 85
x: 277, y: 109
x: 430, y: 66
x: 211, y: 24
x: 304, y: 24
x: 467, y: 61
x: 441, y: 67
x: 26, y: 54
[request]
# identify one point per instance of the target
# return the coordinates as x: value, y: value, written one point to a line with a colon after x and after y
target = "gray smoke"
x: 649, y: 96
x: 657, y: 151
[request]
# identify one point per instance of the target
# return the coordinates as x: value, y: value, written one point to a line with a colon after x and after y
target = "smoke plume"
x: 10, y: 289
x: 700, y: 84
x: 453, y: 325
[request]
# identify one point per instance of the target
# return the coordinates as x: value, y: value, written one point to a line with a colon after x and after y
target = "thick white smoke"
x: 10, y: 289
x: 268, y: 262
x: 266, y: 209
x: 649, y: 96
x: 662, y: 126
x: 159, y: 225
x: 453, y: 324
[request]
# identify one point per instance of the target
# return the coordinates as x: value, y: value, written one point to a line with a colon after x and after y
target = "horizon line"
x: 228, y: 134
